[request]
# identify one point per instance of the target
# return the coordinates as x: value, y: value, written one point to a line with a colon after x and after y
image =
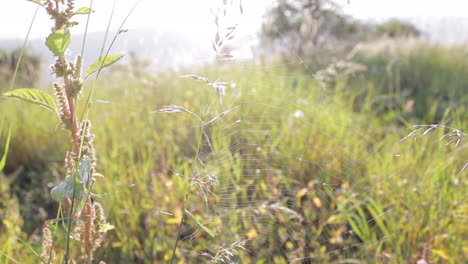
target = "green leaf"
x: 36, y: 1
x: 102, y: 63
x: 5, y: 153
x: 206, y: 229
x: 58, y: 42
x: 74, y: 186
x: 33, y: 96
x: 83, y: 11
x: 71, y: 187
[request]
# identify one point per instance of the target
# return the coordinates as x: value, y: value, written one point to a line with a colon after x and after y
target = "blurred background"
x: 361, y: 73
x: 173, y: 34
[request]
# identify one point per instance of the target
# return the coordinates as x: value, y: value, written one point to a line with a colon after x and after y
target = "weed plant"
x: 79, y: 216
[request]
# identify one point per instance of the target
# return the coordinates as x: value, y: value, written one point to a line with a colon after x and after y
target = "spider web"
x: 274, y: 170
x: 274, y: 173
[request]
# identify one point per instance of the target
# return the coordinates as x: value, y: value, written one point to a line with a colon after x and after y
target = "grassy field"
x: 373, y: 199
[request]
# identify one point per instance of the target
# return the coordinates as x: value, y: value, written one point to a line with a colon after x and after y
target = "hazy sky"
x: 408, y: 8
x: 194, y: 15
x: 183, y: 15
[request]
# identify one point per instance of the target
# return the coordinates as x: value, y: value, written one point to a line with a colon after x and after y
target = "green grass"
x: 419, y: 193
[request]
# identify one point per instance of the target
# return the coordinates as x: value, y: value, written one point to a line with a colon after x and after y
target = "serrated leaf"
x: 206, y: 229
x: 74, y: 186
x: 36, y: 1
x: 58, y: 42
x: 83, y: 11
x: 33, y: 96
x: 102, y: 63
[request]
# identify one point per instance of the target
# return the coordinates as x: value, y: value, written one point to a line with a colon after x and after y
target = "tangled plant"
x: 85, y: 220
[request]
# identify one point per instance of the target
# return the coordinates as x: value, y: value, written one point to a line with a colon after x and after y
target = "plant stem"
x: 87, y: 232
x: 71, y: 103
x: 181, y: 223
x: 187, y: 184
x: 74, y: 121
x: 70, y: 220
x: 178, y: 232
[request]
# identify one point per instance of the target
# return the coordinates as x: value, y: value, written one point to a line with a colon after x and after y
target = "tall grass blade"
x: 12, y: 83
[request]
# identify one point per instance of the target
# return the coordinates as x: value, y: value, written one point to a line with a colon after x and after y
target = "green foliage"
x: 102, y: 63
x: 421, y: 81
x: 135, y: 163
x: 58, y: 42
x: 397, y: 214
x: 33, y: 96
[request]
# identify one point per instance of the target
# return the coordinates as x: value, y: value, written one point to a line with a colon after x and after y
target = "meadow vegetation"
x: 414, y: 189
